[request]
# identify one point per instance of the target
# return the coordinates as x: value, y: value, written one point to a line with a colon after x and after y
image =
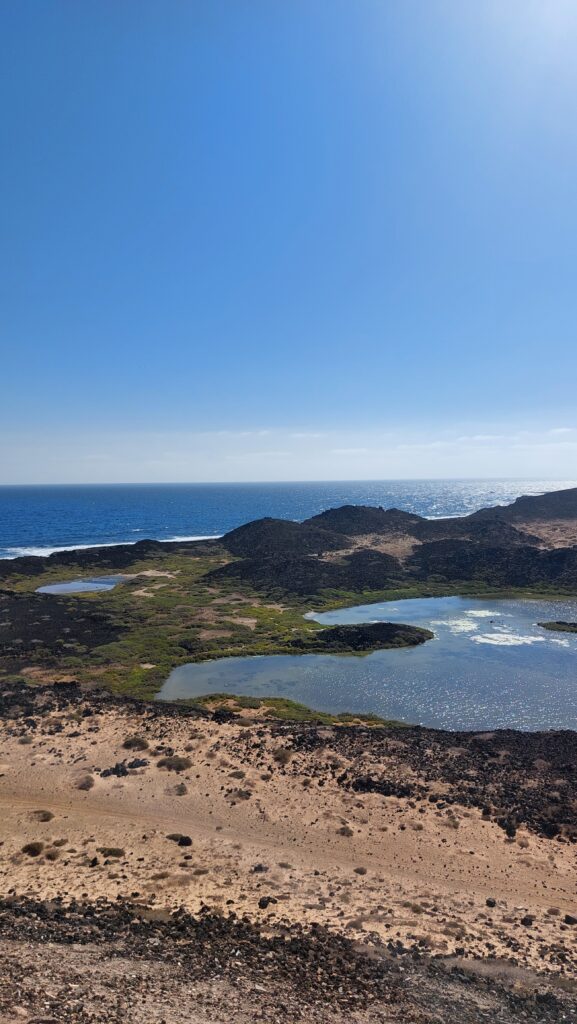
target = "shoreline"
x: 45, y: 552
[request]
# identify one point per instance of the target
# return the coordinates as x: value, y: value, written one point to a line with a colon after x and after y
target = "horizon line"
x: 272, y: 483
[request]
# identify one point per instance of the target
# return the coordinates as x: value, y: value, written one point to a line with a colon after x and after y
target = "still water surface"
x: 86, y: 586
x: 489, y: 666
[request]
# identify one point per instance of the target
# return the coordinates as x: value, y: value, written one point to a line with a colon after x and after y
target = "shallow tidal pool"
x: 86, y: 586
x: 489, y: 666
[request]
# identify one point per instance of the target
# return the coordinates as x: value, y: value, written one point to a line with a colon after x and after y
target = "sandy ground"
x: 554, y: 533
x: 276, y: 842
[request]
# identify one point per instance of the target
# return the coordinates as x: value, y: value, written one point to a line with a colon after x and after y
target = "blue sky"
x: 255, y: 240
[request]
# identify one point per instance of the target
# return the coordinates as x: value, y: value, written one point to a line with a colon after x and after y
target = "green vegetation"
x: 284, y: 709
x: 163, y: 620
x: 170, y: 611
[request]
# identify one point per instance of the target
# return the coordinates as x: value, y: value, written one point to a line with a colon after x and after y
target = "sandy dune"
x: 277, y: 842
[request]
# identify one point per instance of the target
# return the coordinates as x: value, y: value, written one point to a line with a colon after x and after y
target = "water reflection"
x: 489, y: 666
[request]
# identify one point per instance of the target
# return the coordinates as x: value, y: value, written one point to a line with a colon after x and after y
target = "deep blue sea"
x: 39, y: 520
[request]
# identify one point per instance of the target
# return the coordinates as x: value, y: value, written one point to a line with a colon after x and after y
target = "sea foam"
x: 43, y: 552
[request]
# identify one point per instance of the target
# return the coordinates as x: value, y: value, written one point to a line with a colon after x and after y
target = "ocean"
x: 37, y: 520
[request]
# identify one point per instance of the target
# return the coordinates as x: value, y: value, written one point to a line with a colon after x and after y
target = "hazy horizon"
x: 280, y: 483
x: 281, y: 456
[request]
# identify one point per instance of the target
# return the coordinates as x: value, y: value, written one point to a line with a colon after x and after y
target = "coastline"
x: 204, y: 510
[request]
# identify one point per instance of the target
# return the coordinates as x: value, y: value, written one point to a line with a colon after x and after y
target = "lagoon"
x: 489, y: 666
x: 87, y: 586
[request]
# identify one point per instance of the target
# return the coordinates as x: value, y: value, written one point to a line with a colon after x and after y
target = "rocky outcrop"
x: 493, y: 547
x: 307, y: 575
x: 266, y: 538
x: 359, y: 520
x: 371, y: 636
x: 495, y: 565
x: 553, y: 505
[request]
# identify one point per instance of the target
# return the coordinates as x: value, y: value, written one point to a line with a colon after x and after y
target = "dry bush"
x: 135, y: 743
x: 42, y: 815
x: 33, y: 849
x: 175, y: 763
x: 282, y: 755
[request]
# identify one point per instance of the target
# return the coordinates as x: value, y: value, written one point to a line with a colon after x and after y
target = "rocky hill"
x: 552, y: 505
x: 278, y: 537
x: 532, y: 542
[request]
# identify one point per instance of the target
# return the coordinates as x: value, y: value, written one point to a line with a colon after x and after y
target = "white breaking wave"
x: 479, y: 613
x: 208, y: 536
x: 456, y: 625
x: 44, y: 552
x: 507, y: 639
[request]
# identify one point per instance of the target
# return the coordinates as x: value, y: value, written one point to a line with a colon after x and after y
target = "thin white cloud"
x: 471, y: 450
x: 349, y: 451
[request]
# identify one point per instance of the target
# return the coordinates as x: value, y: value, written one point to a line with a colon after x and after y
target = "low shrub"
x: 175, y: 763
x: 42, y: 815
x: 282, y: 755
x: 135, y: 743
x: 33, y: 849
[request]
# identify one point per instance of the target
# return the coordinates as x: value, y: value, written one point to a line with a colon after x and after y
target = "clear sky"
x: 244, y: 239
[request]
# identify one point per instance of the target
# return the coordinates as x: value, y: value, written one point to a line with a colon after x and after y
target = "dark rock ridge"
x: 269, y: 537
x: 366, y: 637
x: 356, y: 520
x: 515, y: 778
x: 553, y: 505
x: 496, y: 565
x: 362, y: 570
x: 559, y: 626
x: 485, y: 547
x: 362, y: 520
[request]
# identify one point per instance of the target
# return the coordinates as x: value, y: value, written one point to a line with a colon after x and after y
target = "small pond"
x: 86, y: 586
x: 489, y: 666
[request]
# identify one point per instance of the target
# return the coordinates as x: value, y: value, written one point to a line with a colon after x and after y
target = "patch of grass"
x: 287, y: 710
x: 247, y: 702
